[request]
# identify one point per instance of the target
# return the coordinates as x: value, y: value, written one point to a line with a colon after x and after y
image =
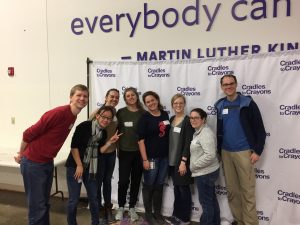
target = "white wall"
x: 36, y: 39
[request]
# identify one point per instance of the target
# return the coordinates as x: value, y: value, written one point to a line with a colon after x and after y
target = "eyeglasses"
x: 227, y: 85
x: 195, y: 118
x: 106, y: 118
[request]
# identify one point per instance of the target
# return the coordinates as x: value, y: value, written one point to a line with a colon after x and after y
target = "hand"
x: 182, y: 169
x: 115, y: 137
x: 18, y: 158
x: 254, y: 157
x: 78, y: 172
x: 146, y: 165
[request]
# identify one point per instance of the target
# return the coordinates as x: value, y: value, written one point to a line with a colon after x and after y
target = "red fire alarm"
x: 11, y: 71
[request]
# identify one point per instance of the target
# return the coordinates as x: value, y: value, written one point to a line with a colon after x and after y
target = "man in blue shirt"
x: 241, y: 138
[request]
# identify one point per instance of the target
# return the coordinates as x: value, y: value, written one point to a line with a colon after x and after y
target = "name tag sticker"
x: 166, y: 122
x: 128, y: 124
x: 225, y: 111
x: 177, y: 129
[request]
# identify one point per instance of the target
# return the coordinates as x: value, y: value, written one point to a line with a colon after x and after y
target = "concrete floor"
x: 13, y: 210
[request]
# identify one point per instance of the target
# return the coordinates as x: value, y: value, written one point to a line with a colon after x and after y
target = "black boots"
x: 157, y: 202
x: 147, y: 192
x: 153, y: 195
x: 108, y: 214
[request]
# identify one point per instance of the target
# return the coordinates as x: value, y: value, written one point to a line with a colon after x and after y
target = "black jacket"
x: 185, y: 138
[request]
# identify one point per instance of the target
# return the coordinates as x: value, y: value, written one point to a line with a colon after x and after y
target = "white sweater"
x: 203, y: 152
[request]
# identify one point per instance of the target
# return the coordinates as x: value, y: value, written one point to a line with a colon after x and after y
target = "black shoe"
x: 234, y: 223
x: 109, y: 216
x: 149, y: 218
x: 159, y: 218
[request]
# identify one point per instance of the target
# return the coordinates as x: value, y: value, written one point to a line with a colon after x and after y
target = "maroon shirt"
x: 46, y: 137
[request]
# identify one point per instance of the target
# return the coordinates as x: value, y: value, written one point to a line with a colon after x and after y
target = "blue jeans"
x: 74, y: 193
x: 106, y: 166
x: 208, y: 199
x: 156, y: 176
x: 37, y: 179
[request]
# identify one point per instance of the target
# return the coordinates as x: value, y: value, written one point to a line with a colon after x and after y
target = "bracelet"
x: 144, y: 160
x: 183, y: 160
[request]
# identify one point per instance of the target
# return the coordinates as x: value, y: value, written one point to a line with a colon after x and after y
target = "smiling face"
x: 130, y: 98
x: 104, y: 118
x: 151, y: 103
x: 196, y: 120
x: 229, y: 86
x: 112, y: 99
x: 79, y: 99
x: 178, y: 105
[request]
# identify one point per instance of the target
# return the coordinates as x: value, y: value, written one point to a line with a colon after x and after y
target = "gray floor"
x: 13, y: 210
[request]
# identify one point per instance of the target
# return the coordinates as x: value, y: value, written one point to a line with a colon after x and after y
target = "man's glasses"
x: 229, y: 84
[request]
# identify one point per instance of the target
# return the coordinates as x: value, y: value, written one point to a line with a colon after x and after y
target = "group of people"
x: 151, y: 145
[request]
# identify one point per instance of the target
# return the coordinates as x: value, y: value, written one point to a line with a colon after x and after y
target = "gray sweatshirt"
x: 203, y: 152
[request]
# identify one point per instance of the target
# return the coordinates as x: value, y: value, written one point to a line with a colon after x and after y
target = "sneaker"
x: 171, y: 220
x: 119, y: 214
x: 133, y: 215
x: 183, y: 223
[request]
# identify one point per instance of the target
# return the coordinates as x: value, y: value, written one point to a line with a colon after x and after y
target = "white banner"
x: 271, y: 79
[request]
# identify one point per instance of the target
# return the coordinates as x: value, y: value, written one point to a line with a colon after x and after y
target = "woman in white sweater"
x: 204, y: 166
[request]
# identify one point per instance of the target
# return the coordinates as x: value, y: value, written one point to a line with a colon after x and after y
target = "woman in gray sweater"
x: 204, y: 166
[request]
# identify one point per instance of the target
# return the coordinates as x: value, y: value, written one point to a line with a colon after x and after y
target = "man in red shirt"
x: 40, y: 144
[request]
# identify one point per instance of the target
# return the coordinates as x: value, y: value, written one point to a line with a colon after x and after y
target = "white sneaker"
x: 133, y: 215
x: 119, y: 214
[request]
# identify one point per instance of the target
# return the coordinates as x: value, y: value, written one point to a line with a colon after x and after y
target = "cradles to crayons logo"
x: 105, y: 73
x: 289, y: 110
x: 219, y: 70
x: 166, y: 109
x: 261, y: 174
x: 261, y: 216
x: 188, y: 91
x: 255, y: 89
x: 221, y: 190
x: 211, y: 110
x: 292, y: 65
x: 159, y: 72
x: 290, y: 197
x: 100, y: 104
x: 123, y: 88
x: 289, y: 153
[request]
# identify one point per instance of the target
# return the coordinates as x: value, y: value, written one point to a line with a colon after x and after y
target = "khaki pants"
x: 240, y: 182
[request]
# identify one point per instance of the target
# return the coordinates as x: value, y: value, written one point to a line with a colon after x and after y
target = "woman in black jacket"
x: 82, y: 164
x: 180, y: 136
